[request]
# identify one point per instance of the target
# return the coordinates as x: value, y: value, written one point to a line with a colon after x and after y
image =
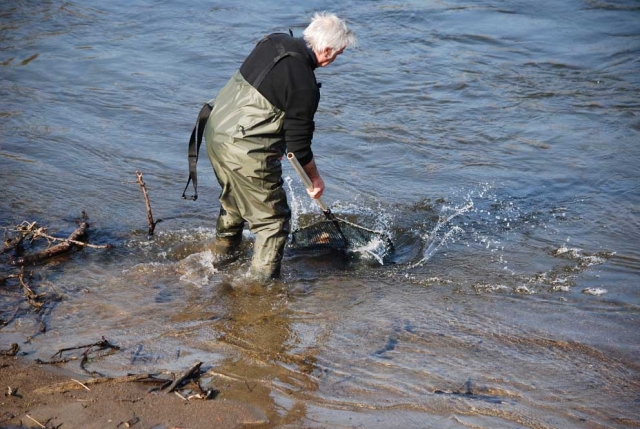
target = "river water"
x: 496, y: 141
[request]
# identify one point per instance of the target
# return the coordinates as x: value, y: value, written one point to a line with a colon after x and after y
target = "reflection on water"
x: 496, y: 145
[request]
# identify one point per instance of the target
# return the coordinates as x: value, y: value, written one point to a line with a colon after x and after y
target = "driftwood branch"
x: 10, y: 276
x: 40, y: 233
x: 58, y: 249
x: 34, y: 299
x: 102, y: 344
x: 192, y: 372
x: 167, y: 385
x: 72, y: 385
x: 143, y: 186
x: 31, y: 231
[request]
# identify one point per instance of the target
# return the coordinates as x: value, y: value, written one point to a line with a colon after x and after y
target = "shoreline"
x: 36, y: 402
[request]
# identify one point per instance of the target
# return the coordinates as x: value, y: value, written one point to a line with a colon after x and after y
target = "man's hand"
x: 316, y: 180
x: 318, y: 188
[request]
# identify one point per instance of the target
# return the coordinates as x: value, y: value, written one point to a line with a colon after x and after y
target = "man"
x: 268, y: 106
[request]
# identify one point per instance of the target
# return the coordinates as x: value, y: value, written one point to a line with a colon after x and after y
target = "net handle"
x: 305, y: 179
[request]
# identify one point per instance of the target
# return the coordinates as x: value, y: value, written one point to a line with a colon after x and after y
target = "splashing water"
x: 431, y: 237
x: 376, y: 248
x: 491, y: 215
x: 294, y: 203
x: 198, y: 269
x: 376, y: 219
x: 481, y: 219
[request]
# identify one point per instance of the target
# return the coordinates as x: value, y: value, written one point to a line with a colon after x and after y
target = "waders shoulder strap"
x: 194, y: 149
x: 282, y: 53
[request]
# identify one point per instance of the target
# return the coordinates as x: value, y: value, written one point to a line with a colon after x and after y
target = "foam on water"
x: 597, y: 291
x: 583, y: 258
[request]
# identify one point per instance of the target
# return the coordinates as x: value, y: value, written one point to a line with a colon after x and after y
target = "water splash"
x: 484, y: 226
x: 198, y: 269
x: 374, y: 217
x: 432, y: 237
x: 376, y: 249
x: 294, y: 203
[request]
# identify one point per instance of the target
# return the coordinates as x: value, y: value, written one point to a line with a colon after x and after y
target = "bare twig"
x: 10, y: 276
x: 194, y: 371
x: 74, y: 380
x: 32, y: 231
x: 88, y: 348
x: 33, y: 298
x: 37, y: 422
x: 84, y: 361
x: 55, y: 362
x: 103, y: 344
x: 70, y: 385
x: 24, y: 229
x: 143, y: 186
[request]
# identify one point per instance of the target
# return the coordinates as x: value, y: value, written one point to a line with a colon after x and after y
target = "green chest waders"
x: 245, y: 143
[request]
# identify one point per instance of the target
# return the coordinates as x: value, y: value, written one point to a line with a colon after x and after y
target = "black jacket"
x: 290, y: 86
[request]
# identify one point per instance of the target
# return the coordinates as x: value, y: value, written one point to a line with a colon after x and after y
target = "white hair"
x: 328, y: 31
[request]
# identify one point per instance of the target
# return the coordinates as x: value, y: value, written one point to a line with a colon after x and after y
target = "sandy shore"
x: 43, y: 397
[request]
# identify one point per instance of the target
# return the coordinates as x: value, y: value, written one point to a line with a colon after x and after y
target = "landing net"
x: 335, y: 234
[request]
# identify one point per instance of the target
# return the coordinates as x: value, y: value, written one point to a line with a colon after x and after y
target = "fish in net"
x: 337, y: 234
x: 332, y: 233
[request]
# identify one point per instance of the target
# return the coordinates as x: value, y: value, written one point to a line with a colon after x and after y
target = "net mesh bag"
x: 333, y: 234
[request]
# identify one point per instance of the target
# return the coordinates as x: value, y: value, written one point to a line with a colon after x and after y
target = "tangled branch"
x: 32, y: 231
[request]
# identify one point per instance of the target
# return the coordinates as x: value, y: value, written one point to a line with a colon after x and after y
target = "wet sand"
x: 115, y: 405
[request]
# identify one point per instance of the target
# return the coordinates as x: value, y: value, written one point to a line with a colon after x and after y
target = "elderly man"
x: 268, y: 106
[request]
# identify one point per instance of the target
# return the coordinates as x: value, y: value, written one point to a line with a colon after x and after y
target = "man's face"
x: 327, y: 56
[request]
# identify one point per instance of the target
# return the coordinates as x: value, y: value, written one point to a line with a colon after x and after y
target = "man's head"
x: 328, y: 36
